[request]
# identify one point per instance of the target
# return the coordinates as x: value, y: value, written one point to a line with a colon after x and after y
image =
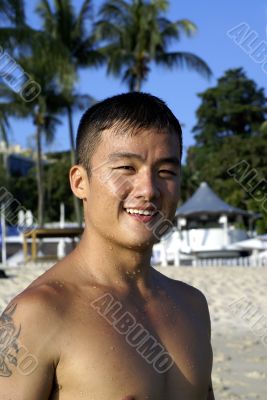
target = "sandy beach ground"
x: 237, y: 298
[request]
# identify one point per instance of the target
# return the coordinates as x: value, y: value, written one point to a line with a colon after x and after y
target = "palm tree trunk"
x: 6, y: 151
x: 76, y: 202
x: 71, y: 132
x: 39, y: 177
x: 137, y: 84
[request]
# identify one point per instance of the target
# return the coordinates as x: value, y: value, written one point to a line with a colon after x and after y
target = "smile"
x: 140, y: 212
x: 141, y: 215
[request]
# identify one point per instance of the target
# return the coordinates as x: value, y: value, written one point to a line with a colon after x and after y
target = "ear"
x: 78, y: 181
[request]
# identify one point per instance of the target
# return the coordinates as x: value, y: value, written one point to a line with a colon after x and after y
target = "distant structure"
x: 17, y: 161
x: 207, y: 224
x: 205, y: 228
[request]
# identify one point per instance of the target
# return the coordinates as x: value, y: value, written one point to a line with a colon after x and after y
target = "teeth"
x: 141, y: 212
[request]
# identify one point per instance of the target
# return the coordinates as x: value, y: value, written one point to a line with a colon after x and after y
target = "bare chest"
x: 119, y: 351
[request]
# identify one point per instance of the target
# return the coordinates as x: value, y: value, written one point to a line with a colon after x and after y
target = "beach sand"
x: 237, y: 298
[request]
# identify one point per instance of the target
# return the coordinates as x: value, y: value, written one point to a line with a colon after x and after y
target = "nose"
x: 146, y: 186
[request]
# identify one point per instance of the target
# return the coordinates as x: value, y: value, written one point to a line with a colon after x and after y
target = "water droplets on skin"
x: 83, y: 394
x: 60, y: 284
x: 190, y: 364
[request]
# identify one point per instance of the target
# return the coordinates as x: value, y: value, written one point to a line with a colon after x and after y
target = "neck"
x: 112, y: 265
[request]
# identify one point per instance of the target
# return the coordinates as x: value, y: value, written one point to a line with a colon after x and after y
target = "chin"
x: 141, y: 243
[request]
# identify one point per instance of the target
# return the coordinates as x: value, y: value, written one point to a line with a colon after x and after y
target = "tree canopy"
x: 136, y: 33
x: 234, y: 107
x: 228, y: 134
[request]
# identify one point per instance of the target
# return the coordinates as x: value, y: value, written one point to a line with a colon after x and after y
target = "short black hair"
x: 128, y: 113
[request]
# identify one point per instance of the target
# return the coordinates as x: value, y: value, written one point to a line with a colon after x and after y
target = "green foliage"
x: 234, y: 107
x: 70, y: 31
x: 13, y: 11
x: 229, y: 130
x: 24, y: 189
x: 58, y: 187
x: 136, y: 33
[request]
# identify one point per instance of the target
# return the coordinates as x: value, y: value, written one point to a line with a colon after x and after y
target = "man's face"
x: 133, y: 176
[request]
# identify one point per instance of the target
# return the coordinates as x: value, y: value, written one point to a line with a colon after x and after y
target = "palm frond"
x: 4, y: 126
x: 13, y: 11
x: 86, y: 12
x: 114, y: 10
x: 184, y: 60
x: 136, y: 33
x: 44, y: 10
x: 186, y: 26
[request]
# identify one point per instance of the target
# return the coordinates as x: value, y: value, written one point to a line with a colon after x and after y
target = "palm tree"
x: 4, y: 126
x: 13, y: 11
x: 70, y: 31
x: 55, y: 74
x: 137, y: 33
x: 12, y: 15
x: 12, y: 31
x: 68, y: 103
x: 48, y: 72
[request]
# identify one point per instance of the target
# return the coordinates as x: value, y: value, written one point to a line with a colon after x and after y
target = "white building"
x: 206, y: 228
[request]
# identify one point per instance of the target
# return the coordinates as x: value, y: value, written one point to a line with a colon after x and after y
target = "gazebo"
x: 208, y: 224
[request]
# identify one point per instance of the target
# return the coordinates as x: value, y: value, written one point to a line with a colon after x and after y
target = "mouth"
x: 141, y: 215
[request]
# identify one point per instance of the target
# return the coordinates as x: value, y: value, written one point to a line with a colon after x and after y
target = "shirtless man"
x: 102, y: 324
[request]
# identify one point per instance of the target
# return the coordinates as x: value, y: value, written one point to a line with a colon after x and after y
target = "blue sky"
x: 178, y: 87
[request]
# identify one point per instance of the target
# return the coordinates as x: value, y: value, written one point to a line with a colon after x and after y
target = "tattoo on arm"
x: 9, y: 348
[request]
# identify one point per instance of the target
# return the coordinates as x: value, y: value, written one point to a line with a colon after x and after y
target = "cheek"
x: 120, y: 186
x: 171, y: 189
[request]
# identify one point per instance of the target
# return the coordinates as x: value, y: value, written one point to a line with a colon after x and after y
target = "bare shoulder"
x: 185, y: 288
x: 30, y: 342
x: 189, y: 295
x: 35, y: 315
x: 45, y: 303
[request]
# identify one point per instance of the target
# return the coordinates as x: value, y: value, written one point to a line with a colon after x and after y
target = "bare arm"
x: 210, y: 390
x: 204, y: 309
x: 210, y: 393
x: 27, y: 358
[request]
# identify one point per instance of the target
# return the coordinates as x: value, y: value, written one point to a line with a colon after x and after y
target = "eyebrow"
x: 166, y: 160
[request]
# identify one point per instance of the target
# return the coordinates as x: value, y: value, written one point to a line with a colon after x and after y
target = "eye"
x: 126, y: 167
x: 167, y: 172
